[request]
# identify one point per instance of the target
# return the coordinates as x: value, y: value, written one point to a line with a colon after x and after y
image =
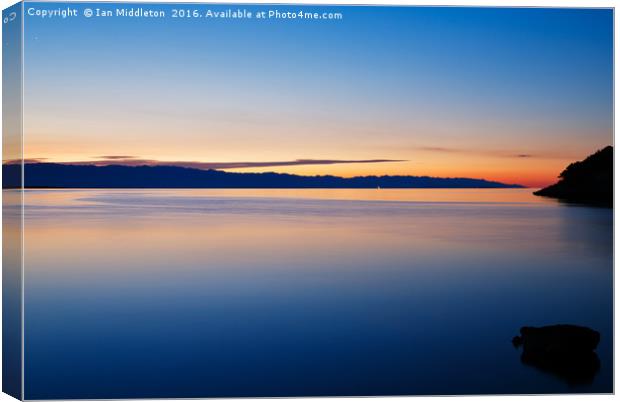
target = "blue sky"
x: 502, y: 93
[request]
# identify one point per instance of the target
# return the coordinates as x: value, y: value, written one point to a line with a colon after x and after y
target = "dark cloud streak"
x: 502, y: 154
x: 133, y: 161
x: 115, y: 157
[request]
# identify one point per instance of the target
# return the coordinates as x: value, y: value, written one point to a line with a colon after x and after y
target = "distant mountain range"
x: 56, y: 175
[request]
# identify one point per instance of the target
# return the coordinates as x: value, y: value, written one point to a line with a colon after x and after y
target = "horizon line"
x: 378, y: 176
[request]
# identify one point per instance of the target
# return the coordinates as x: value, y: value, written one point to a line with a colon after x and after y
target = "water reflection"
x: 204, y: 293
x: 12, y: 292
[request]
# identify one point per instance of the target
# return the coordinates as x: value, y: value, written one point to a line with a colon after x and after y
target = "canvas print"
x: 231, y: 200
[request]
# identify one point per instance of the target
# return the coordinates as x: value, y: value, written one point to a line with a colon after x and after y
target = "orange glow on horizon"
x: 529, y: 172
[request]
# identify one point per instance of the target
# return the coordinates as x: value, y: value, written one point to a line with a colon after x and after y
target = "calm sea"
x: 210, y: 293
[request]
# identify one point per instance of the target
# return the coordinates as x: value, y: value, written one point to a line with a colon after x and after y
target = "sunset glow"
x: 370, y: 87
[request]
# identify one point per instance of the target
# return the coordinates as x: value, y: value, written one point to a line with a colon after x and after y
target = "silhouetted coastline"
x: 589, y: 181
x: 54, y: 175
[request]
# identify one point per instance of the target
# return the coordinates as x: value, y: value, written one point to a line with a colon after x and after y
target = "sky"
x: 504, y: 94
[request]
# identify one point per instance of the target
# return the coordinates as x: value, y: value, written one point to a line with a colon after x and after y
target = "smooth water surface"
x: 205, y: 293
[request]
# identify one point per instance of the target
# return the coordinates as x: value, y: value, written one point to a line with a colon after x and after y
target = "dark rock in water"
x: 560, y: 339
x: 589, y: 181
x: 564, y: 350
x: 517, y: 341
